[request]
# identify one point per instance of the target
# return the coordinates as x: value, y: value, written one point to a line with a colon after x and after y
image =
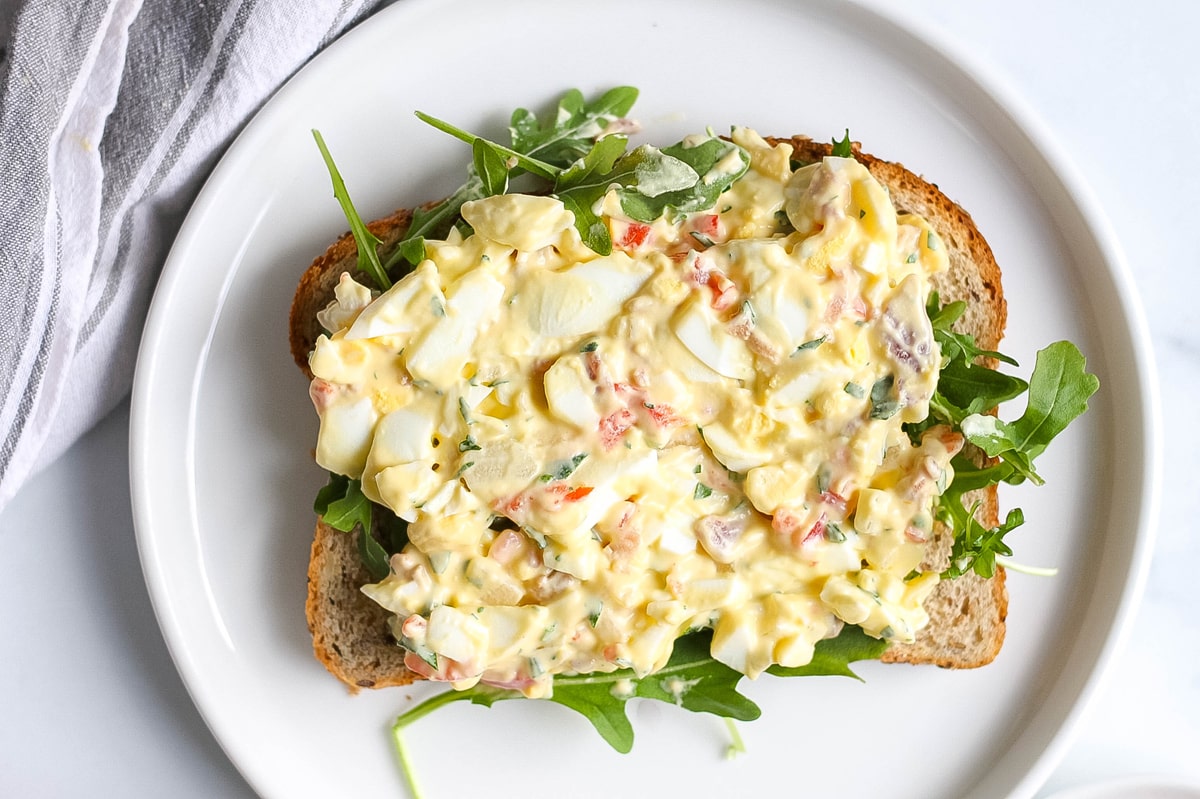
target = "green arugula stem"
x: 368, y: 253
x: 1021, y: 469
x: 942, y: 410
x: 539, y: 168
x: 425, y: 708
x: 736, y: 745
x: 405, y: 764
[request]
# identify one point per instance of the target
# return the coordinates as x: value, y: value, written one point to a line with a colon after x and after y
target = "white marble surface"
x: 91, y: 702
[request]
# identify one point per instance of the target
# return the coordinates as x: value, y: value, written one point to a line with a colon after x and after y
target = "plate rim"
x: 1037, y: 133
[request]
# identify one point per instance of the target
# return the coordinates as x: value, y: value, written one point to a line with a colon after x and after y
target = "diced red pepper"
x: 663, y: 414
x: 613, y: 426
x: 706, y: 224
x: 725, y: 292
x: 634, y: 236
x: 513, y: 507
x: 564, y: 493
x: 818, y: 529
x: 834, y: 499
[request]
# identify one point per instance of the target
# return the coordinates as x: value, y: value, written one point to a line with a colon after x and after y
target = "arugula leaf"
x: 687, y: 176
x: 491, y: 165
x: 966, y: 388
x: 843, y: 148
x: 968, y: 391
x: 430, y: 221
x: 569, y: 136
x: 574, y: 128
x: 366, y: 241
x: 956, y: 346
x: 582, y: 184
x: 975, y: 546
x: 1058, y: 392
x: 342, y: 505
x: 833, y: 656
x: 692, y: 679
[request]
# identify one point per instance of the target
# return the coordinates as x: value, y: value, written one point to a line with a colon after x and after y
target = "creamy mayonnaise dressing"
x: 597, y: 454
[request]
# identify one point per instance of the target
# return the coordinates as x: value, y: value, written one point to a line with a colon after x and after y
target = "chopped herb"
x: 781, y: 219
x: 824, y: 475
x: 931, y: 240
x: 563, y: 469
x: 463, y: 468
x: 702, y: 491
x: 833, y: 533
x: 854, y: 390
x: 468, y: 445
x: 883, y: 406
x: 912, y: 258
x: 811, y: 344
x: 590, y: 346
x: 698, y: 469
x: 423, y: 652
x: 705, y: 241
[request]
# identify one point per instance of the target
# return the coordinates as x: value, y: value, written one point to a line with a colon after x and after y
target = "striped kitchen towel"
x: 112, y: 112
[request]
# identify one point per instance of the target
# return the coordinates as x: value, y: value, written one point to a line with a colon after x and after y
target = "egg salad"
x: 596, y: 454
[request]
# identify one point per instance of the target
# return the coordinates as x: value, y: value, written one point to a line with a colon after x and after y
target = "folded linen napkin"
x: 112, y: 112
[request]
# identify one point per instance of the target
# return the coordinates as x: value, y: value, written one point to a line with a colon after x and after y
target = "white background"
x: 90, y: 701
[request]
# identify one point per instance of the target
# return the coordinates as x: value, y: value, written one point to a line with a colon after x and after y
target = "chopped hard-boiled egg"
x: 702, y: 429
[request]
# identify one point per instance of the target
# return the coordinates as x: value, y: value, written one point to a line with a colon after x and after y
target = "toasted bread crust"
x: 316, y: 284
x: 967, y: 615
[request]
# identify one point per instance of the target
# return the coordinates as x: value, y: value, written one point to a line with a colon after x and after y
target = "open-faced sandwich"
x: 729, y: 403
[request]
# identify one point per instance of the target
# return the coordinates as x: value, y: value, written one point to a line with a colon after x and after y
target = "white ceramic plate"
x: 222, y: 426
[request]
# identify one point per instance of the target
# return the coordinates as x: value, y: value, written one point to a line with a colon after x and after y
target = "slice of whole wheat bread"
x: 350, y: 633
